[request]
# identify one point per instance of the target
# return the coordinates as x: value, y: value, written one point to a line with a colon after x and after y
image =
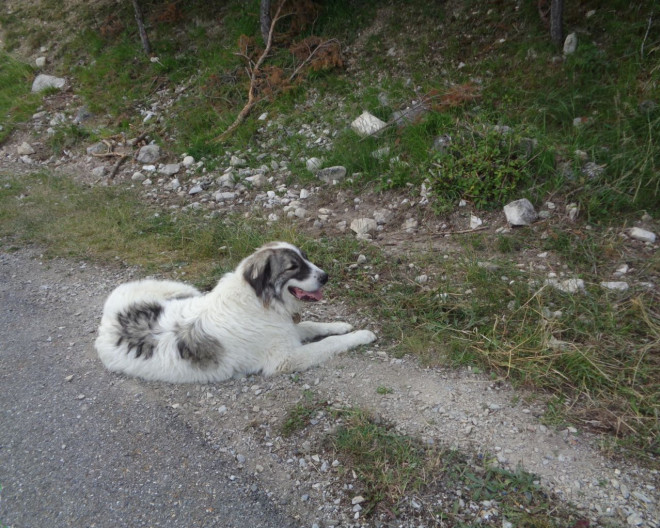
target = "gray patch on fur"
x: 136, y: 328
x: 200, y: 348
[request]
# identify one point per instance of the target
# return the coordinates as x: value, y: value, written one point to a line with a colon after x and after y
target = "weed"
x: 381, y: 389
x: 299, y: 416
x: 16, y: 101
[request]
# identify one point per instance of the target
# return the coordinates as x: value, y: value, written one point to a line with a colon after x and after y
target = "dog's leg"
x: 310, y: 329
x: 311, y: 354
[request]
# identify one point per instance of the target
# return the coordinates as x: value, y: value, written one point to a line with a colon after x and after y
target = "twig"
x: 117, y: 165
x: 252, y: 100
x: 309, y: 58
x: 648, y: 28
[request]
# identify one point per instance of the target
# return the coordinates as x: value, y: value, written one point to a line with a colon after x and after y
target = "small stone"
x: 188, y: 161
x: 195, y: 189
x: 367, y: 124
x: 69, y: 377
x: 642, y: 234
x: 263, y: 116
x: 40, y: 62
x: 332, y: 174
x: 222, y: 409
x: 224, y: 196
x: 226, y: 180
x: 170, y: 169
x: 570, y: 44
x: 475, y: 221
x: 410, y: 225
x: 358, y: 499
x: 634, y: 519
x: 362, y: 226
x: 313, y: 164
x: 422, y: 279
x: 361, y: 260
x: 304, y: 194
x: 147, y: 182
x: 572, y: 210
x: 25, y: 149
x: 300, y: 212
x: 240, y: 459
x: 235, y: 161
x: 137, y: 177
x: 43, y: 81
x: 520, y: 212
x: 175, y: 184
x: 148, y: 154
x: 566, y: 286
x: 98, y: 172
x: 383, y: 216
x: 620, y: 286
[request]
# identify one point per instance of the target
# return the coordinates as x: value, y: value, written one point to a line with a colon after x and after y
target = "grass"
x: 17, y: 104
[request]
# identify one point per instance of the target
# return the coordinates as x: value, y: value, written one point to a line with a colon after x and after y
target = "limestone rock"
x: 367, y: 124
x: 43, y: 81
x: 149, y: 154
x: 642, y: 234
x: 332, y: 174
x: 520, y: 212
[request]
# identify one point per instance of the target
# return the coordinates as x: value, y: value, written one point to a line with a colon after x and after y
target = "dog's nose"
x: 323, y: 278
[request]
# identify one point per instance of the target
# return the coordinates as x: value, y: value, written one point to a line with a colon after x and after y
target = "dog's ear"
x: 258, y: 274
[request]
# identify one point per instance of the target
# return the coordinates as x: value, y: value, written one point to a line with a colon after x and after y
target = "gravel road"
x: 83, y: 447
x: 80, y: 447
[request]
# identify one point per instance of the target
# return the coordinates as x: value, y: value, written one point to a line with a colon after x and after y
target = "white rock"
x: 175, y: 184
x: 257, y: 180
x: 188, y: 161
x: 226, y: 180
x: 422, y: 279
x: 300, y: 212
x: 367, y: 124
x: 263, y: 116
x: 462, y: 203
x: 313, y: 164
x: 361, y: 259
x: 572, y: 210
x: 567, y: 286
x: 358, y: 499
x: 520, y: 212
x: 170, y: 169
x: 40, y: 62
x: 570, y: 44
x: 304, y: 193
x: 224, y: 196
x: 195, y: 189
x: 235, y: 161
x: 615, y: 285
x: 147, y: 182
x: 137, y: 177
x: 383, y: 216
x: 475, y: 221
x: 410, y: 225
x: 149, y: 154
x: 27, y: 160
x: 621, y: 270
x: 362, y: 226
x: 43, y: 81
x: 24, y: 149
x: 98, y: 172
x: 332, y: 174
x: 642, y: 234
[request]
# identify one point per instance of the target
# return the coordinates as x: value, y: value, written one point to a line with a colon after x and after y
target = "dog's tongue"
x: 306, y: 295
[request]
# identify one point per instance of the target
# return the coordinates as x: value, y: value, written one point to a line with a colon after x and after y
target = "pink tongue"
x: 308, y: 296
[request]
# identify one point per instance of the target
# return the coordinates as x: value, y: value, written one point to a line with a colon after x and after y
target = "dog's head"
x: 280, y: 271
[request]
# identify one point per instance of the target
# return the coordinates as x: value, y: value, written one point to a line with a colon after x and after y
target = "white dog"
x: 165, y: 330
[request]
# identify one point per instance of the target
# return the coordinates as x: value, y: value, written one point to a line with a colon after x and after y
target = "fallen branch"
x: 117, y: 165
x: 252, y: 99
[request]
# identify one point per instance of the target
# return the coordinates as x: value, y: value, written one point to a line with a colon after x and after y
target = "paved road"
x: 96, y: 450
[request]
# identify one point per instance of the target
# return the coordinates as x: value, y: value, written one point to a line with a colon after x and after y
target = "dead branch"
x: 252, y: 99
x: 117, y: 165
x: 309, y: 58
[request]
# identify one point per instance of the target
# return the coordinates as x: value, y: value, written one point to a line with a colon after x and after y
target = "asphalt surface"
x: 82, y: 447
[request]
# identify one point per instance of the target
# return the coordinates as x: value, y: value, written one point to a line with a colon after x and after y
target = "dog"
x: 170, y: 331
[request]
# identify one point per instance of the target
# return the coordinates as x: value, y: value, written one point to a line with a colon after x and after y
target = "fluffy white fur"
x: 235, y: 329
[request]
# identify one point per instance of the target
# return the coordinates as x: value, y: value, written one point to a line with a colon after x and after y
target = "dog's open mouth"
x: 306, y: 295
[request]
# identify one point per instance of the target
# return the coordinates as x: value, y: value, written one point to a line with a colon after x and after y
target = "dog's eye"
x: 292, y: 266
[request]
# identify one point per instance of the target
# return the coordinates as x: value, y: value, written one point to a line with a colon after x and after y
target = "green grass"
x: 391, y: 466
x: 17, y: 104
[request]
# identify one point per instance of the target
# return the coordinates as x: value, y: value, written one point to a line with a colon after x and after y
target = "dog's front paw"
x: 364, y: 337
x: 341, y: 328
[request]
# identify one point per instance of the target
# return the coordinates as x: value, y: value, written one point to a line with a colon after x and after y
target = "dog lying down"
x: 166, y: 330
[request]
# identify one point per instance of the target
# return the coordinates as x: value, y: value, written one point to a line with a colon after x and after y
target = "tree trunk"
x: 264, y: 17
x: 146, y: 46
x: 556, y: 22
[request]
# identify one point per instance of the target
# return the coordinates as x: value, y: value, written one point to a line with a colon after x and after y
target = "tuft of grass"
x: 299, y: 416
x: 17, y: 104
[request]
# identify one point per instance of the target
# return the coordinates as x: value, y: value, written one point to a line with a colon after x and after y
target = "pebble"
x: 620, y: 286
x: 642, y: 234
